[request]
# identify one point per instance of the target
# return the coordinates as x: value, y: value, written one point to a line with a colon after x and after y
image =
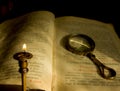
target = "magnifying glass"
x: 82, y: 44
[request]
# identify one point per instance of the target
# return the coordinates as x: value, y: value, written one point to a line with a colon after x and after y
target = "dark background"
x: 105, y: 11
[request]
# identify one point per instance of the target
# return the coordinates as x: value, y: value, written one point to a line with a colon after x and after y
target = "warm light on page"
x: 24, y: 47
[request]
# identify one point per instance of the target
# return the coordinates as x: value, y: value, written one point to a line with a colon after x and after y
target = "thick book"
x: 56, y: 45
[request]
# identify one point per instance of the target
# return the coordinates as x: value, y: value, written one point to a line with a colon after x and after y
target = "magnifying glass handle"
x: 104, y: 71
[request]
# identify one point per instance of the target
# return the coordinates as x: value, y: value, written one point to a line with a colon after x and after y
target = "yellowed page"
x: 77, y: 72
x: 36, y: 29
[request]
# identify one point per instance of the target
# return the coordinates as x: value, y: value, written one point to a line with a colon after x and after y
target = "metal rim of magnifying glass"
x: 83, y: 51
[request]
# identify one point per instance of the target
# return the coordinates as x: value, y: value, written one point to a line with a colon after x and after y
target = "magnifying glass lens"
x: 78, y: 42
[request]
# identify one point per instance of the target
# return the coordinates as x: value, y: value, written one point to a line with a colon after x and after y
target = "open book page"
x: 77, y: 72
x: 36, y: 30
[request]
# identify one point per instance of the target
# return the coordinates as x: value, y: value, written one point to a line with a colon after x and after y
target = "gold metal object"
x: 84, y: 45
x: 22, y: 59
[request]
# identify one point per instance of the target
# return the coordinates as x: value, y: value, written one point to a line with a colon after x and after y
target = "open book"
x: 53, y: 67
